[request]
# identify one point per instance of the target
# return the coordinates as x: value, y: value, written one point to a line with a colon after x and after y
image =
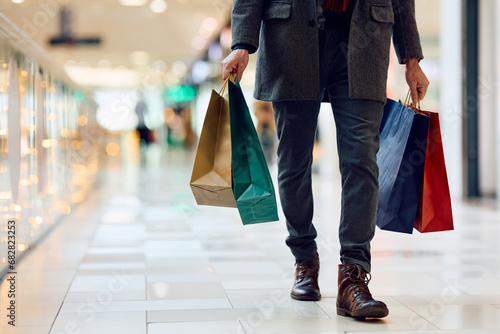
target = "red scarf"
x: 335, y: 5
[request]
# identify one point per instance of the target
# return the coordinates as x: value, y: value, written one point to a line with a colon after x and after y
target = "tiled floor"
x: 140, y: 257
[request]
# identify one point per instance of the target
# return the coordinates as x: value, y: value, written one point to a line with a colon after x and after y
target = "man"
x: 339, y: 49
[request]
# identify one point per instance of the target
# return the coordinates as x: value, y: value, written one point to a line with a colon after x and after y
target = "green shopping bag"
x: 252, y: 185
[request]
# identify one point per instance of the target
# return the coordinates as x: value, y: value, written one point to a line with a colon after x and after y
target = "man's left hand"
x: 416, y: 79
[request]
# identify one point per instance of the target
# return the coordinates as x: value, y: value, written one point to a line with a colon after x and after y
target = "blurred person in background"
x: 335, y: 49
x: 144, y: 133
x: 179, y: 130
x: 189, y: 135
x: 266, y: 128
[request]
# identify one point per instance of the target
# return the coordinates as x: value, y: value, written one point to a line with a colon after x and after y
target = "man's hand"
x: 416, y: 79
x: 235, y: 63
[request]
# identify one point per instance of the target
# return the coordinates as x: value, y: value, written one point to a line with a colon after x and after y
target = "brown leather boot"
x: 305, y: 286
x: 354, y: 299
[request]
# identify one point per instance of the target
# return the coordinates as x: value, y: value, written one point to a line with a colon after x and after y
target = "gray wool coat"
x: 285, y: 33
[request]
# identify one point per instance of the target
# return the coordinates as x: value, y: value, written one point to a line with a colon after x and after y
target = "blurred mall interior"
x: 101, y: 107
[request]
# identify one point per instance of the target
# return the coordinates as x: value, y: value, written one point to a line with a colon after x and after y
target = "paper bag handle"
x: 224, y: 85
x: 410, y: 104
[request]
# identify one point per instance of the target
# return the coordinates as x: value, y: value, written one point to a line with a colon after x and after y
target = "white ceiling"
x: 166, y: 36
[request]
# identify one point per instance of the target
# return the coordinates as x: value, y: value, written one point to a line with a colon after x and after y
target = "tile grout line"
x: 420, y: 315
x: 322, y: 310
x: 244, y: 330
x: 96, y: 214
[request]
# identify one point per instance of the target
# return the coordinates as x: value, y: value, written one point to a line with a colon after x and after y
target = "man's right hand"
x: 235, y: 64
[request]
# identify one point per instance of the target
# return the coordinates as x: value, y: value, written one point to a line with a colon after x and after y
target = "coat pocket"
x: 382, y: 13
x: 277, y: 10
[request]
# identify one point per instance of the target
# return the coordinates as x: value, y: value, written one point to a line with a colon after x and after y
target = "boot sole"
x: 369, y: 313
x: 305, y: 298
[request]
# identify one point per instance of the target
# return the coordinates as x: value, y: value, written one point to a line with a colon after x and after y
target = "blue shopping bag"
x: 401, y: 157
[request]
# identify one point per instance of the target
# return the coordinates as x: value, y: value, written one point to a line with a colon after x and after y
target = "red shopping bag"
x: 434, y: 209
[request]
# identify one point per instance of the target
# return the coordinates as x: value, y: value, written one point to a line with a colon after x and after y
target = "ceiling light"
x: 17, y: 1
x: 133, y: 2
x: 103, y: 77
x: 158, y: 6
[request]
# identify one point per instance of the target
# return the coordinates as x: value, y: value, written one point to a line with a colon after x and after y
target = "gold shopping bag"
x: 211, y: 180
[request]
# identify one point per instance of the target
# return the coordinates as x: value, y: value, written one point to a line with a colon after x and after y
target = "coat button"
x: 312, y: 23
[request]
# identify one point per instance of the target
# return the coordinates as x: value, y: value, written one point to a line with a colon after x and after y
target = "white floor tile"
x: 118, y: 218
x: 101, y: 323
x: 128, y: 201
x: 259, y: 325
x: 267, y: 299
x: 116, y: 250
x: 120, y: 233
x: 185, y: 290
x: 447, y: 299
x: 73, y: 297
x: 255, y: 285
x: 123, y: 258
x: 111, y: 265
x: 242, y: 314
x: 177, y: 262
x: 104, y: 305
x: 159, y: 247
x: 481, y: 286
x: 201, y: 277
x: 213, y: 327
x: 228, y: 267
x: 197, y: 269
x: 120, y: 281
x: 460, y: 316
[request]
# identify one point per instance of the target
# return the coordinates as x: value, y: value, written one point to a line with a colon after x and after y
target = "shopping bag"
x: 434, y: 212
x: 401, y: 157
x: 211, y: 181
x: 252, y: 184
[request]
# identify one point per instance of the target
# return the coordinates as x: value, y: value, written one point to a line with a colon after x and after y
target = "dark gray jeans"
x: 357, y: 122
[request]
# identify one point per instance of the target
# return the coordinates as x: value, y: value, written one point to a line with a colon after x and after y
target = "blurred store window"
x: 49, y: 141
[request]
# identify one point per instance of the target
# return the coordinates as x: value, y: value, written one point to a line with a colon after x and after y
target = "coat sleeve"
x: 245, y: 23
x: 404, y: 32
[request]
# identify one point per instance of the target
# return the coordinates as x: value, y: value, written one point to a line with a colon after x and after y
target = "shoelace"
x: 358, y: 272
x: 358, y: 277
x: 307, y: 269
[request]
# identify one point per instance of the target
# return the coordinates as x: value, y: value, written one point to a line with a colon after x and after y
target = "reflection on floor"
x: 140, y: 257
